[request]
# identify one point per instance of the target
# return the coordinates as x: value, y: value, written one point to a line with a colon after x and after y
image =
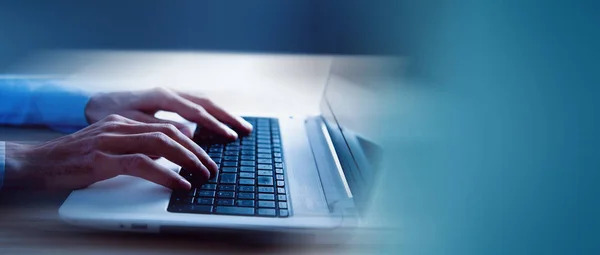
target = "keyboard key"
x: 266, y: 212
x: 246, y: 188
x: 235, y: 210
x: 265, y: 167
x: 269, y: 204
x: 214, y: 155
x: 280, y: 183
x: 263, y: 141
x: 279, y: 177
x: 264, y: 196
x: 231, y: 153
x: 279, y: 170
x: 230, y: 163
x: 276, y: 146
x: 276, y: 149
x: 206, y: 193
x: 247, y: 157
x: 247, y: 163
x: 282, y: 197
x: 263, y: 150
x: 248, y: 203
x: 282, y: 205
x: 182, y: 200
x: 265, y: 181
x: 277, y: 160
x: 227, y: 187
x: 283, y: 213
x: 217, y: 160
x: 279, y: 165
x: 266, y: 189
x: 191, y: 208
x: 247, y: 147
x: 245, y: 195
x: 229, y: 170
x: 205, y: 201
x: 281, y: 190
x: 265, y: 172
x: 209, y: 186
x: 246, y: 181
x: 215, y: 150
x: 247, y: 152
x: 264, y: 155
x: 264, y: 146
x: 230, y: 158
x: 277, y: 154
x: 247, y: 175
x: 224, y: 202
x: 226, y: 194
x: 264, y: 161
x: 228, y: 178
x: 247, y: 169
x: 213, y: 180
x: 232, y: 148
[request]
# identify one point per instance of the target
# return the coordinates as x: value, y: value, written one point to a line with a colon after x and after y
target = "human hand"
x: 142, y: 105
x: 112, y: 146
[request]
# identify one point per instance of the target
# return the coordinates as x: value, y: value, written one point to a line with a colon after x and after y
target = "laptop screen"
x: 351, y: 107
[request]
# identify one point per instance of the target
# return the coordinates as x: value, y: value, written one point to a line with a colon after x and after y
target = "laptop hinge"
x: 334, y: 183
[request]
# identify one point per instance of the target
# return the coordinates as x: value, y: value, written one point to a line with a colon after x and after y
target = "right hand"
x: 108, y: 148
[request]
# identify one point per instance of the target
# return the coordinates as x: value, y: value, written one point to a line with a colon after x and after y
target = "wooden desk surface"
x: 267, y: 84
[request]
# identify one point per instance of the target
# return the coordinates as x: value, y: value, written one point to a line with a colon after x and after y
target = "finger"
x: 155, y: 144
x: 236, y: 122
x: 142, y: 166
x: 145, y: 118
x: 117, y: 118
x: 169, y: 101
x: 172, y: 132
x: 108, y: 123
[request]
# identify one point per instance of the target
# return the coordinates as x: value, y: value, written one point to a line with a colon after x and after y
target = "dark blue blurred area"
x: 312, y: 26
x: 514, y: 98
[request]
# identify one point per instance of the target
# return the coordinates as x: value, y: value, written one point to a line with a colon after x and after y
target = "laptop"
x: 291, y: 173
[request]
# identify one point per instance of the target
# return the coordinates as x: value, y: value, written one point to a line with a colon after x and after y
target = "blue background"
x: 512, y: 100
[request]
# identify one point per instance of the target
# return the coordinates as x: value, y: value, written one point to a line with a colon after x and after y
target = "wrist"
x: 16, y: 165
x: 89, y: 110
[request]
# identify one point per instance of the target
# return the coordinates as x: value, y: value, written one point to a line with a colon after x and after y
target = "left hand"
x: 142, y: 105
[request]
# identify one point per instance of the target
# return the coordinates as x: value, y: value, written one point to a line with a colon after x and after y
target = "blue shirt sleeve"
x: 41, y: 102
x: 2, y: 152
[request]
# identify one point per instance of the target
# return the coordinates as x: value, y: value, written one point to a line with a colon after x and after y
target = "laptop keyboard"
x: 250, y: 181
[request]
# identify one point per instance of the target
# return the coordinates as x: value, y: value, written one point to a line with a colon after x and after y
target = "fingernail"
x: 185, y: 184
x: 205, y: 170
x: 246, y: 124
x: 232, y: 133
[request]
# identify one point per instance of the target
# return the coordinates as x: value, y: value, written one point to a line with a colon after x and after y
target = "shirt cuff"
x: 2, y: 162
x: 62, y: 110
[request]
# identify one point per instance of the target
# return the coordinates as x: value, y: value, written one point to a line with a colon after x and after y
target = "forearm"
x: 16, y: 174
